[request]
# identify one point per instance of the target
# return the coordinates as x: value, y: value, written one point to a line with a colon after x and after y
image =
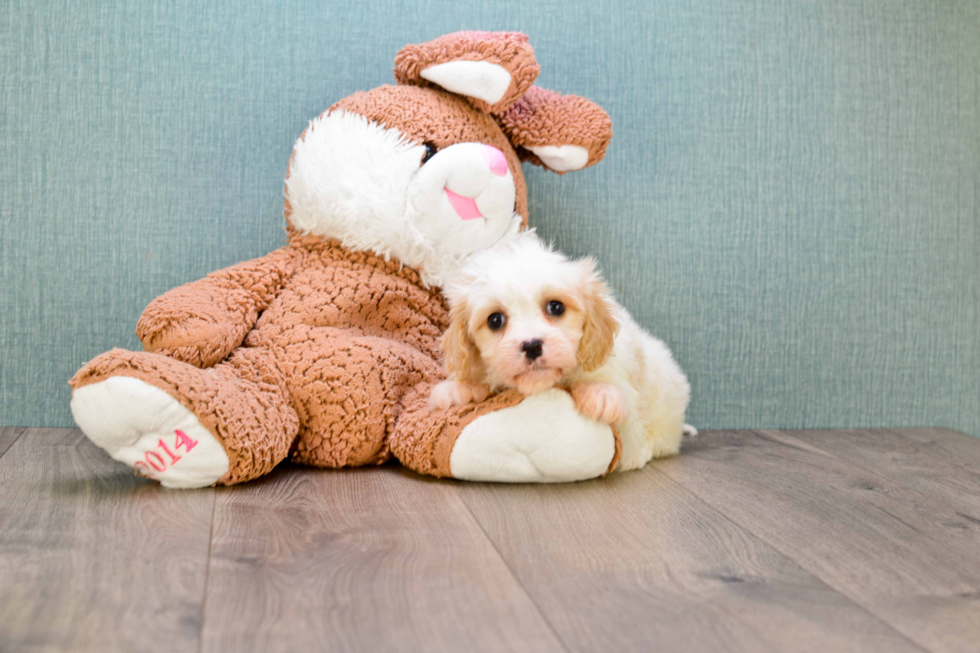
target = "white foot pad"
x: 543, y: 439
x: 689, y: 431
x: 144, y: 427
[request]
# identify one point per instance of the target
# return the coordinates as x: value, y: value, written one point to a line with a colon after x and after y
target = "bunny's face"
x: 415, y: 173
x: 426, y: 176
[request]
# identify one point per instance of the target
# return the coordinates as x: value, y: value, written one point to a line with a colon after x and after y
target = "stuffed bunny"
x: 325, y: 351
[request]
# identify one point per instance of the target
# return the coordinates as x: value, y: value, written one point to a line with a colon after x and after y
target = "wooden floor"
x: 749, y: 541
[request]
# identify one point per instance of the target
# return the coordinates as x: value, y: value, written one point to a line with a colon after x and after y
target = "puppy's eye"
x: 496, y: 321
x: 555, y: 308
x: 430, y: 151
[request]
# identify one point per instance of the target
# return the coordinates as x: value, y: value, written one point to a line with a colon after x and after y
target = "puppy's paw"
x: 600, y: 401
x: 453, y: 393
x: 689, y: 431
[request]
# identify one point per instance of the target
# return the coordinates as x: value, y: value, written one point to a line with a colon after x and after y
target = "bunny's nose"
x: 495, y: 159
x: 532, y: 348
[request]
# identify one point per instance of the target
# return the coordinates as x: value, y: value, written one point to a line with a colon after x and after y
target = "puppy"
x: 526, y: 317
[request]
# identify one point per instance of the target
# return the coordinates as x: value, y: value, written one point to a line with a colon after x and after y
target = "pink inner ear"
x: 562, y: 132
x: 491, y: 69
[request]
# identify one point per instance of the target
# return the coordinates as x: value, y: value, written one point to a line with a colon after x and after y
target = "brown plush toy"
x: 324, y: 351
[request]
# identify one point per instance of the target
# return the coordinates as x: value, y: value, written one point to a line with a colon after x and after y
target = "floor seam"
x: 877, y: 472
x: 513, y: 574
x: 207, y: 570
x: 795, y: 561
x: 922, y: 450
x: 16, y: 437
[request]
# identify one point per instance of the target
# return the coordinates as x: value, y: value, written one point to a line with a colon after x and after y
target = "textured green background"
x: 790, y: 200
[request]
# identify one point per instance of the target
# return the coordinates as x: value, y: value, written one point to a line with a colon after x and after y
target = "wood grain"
x: 8, y: 436
x: 957, y: 448
x: 634, y: 562
x: 911, y: 463
x: 93, y: 558
x: 749, y: 541
x: 372, y: 559
x: 904, y: 555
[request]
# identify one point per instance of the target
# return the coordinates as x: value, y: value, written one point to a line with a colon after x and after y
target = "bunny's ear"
x: 559, y: 132
x: 492, y: 69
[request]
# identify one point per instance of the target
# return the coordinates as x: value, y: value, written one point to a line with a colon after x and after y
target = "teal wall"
x: 791, y: 199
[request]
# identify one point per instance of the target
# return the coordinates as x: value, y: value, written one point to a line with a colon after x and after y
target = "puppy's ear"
x: 601, y: 326
x: 462, y: 358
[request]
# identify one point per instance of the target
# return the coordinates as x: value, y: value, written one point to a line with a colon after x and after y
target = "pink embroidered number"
x: 154, y: 462
x: 163, y: 445
x: 159, y: 465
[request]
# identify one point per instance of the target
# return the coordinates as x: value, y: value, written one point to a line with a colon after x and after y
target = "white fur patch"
x: 543, y: 439
x: 356, y: 181
x: 562, y: 158
x: 479, y: 79
x: 349, y: 180
x: 144, y: 427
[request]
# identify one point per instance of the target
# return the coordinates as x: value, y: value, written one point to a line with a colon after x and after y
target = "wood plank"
x: 375, y: 559
x: 8, y: 436
x: 93, y: 558
x: 634, y: 562
x: 905, y: 556
x: 958, y: 448
x: 904, y: 460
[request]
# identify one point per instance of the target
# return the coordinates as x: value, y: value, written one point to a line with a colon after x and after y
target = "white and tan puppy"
x: 526, y: 317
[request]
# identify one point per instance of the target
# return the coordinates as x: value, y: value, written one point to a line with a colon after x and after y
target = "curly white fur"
x: 638, y: 386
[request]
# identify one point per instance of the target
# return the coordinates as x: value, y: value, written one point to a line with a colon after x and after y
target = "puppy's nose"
x: 532, y: 348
